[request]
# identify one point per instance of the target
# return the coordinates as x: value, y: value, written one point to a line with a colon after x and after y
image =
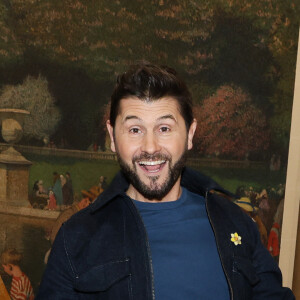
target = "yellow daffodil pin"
x: 236, y: 239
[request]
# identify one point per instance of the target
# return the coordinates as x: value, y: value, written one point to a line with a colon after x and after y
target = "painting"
x: 58, y: 65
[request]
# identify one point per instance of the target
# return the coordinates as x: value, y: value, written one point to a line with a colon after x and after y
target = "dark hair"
x: 35, y: 186
x: 10, y: 256
x: 148, y: 83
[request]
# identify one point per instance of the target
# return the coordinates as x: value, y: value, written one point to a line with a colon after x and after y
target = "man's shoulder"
x: 89, y: 219
x: 227, y: 215
x: 76, y: 229
x: 90, y: 230
x: 226, y: 206
x: 77, y: 217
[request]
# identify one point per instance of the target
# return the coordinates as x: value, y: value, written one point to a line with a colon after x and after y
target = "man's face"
x: 151, y: 141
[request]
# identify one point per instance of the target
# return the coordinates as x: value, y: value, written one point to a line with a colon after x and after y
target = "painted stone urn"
x: 14, y: 168
x: 11, y: 121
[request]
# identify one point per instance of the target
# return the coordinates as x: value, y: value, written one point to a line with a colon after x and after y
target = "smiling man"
x: 160, y: 230
x: 151, y: 141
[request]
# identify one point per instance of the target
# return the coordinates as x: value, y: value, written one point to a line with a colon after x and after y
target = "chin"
x: 154, y: 186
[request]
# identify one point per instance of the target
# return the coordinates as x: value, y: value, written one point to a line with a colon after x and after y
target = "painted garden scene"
x: 58, y: 65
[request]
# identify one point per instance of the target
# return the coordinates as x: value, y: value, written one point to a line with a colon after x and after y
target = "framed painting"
x: 58, y: 64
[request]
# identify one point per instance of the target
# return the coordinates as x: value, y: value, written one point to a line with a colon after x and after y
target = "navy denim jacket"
x: 102, y: 252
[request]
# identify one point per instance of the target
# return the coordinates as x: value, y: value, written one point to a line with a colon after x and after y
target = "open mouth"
x: 152, y: 166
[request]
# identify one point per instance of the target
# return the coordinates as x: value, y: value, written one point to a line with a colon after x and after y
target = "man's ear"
x: 111, y: 134
x: 191, y: 133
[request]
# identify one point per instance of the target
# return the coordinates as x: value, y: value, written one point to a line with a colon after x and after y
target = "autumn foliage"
x: 80, y: 46
x: 230, y: 125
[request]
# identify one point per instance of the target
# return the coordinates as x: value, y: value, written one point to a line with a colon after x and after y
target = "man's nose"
x: 150, y: 143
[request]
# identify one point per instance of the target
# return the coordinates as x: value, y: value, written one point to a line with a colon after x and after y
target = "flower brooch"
x: 236, y: 239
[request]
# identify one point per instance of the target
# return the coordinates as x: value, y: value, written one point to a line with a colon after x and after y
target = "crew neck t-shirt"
x: 186, y: 263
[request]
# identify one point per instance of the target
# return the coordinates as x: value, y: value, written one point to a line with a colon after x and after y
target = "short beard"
x: 154, y: 191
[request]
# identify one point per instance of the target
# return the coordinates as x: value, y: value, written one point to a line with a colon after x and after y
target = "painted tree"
x: 283, y: 45
x: 229, y: 124
x: 10, y: 48
x: 33, y: 95
x: 262, y: 56
x: 103, y: 36
x: 251, y: 44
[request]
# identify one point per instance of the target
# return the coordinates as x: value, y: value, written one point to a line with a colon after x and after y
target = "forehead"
x: 133, y: 107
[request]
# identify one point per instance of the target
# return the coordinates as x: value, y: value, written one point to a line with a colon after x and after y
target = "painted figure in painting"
x: 95, y: 190
x: 39, y: 196
x: 69, y: 186
x: 57, y: 190
x: 245, y: 204
x: 52, y: 201
x: 21, y: 288
x: 102, y: 185
x: 160, y: 230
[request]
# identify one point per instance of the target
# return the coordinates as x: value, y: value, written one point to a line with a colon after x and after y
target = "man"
x: 160, y: 230
x: 63, y: 217
x: 67, y: 214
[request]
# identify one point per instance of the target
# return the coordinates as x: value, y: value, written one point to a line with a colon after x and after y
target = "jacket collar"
x: 118, y: 186
x: 192, y: 180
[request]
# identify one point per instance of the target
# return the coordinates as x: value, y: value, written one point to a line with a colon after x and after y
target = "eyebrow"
x: 130, y: 117
x: 133, y: 117
x: 167, y: 117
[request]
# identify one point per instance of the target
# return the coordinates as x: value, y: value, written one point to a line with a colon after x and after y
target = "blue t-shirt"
x: 186, y: 263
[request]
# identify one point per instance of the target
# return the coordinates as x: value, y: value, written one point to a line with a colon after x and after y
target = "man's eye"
x: 135, y: 130
x: 164, y: 129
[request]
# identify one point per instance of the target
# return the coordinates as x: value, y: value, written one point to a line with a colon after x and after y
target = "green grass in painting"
x: 86, y: 173
x: 231, y: 178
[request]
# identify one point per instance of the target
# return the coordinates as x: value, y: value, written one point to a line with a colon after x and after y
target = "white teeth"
x: 152, y: 163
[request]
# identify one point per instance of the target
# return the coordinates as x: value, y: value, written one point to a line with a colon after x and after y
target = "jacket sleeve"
x: 62, y: 218
x: 270, y: 278
x: 58, y: 278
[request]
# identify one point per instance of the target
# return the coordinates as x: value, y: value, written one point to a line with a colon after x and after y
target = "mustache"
x: 148, y: 156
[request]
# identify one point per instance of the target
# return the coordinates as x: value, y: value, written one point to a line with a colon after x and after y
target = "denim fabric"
x: 102, y: 252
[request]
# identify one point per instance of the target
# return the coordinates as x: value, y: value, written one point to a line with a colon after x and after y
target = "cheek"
x: 176, y: 147
x: 126, y: 149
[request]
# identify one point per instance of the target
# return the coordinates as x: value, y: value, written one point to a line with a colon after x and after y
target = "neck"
x: 16, y: 271
x: 173, y: 194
